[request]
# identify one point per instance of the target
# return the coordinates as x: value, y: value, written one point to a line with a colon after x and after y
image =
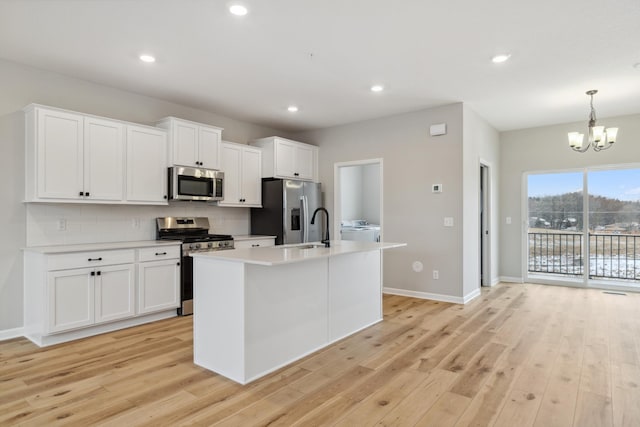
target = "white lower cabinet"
x: 70, y: 295
x: 70, y: 299
x: 158, y: 285
x: 86, y: 296
x: 115, y: 293
x: 240, y: 243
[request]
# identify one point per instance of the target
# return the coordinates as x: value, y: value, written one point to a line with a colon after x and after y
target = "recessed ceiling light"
x: 292, y: 109
x: 501, y: 58
x: 377, y: 88
x: 147, y: 58
x: 238, y: 10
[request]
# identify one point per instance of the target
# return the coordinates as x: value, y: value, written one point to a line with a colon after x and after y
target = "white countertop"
x: 252, y: 237
x: 286, y: 254
x: 84, y: 247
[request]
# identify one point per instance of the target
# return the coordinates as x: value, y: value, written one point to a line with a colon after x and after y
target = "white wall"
x: 360, y: 193
x: 33, y: 224
x: 412, y: 213
x: 371, y: 193
x: 481, y: 144
x: 546, y: 149
x: 351, y: 192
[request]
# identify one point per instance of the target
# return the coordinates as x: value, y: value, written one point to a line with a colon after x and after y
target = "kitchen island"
x: 259, y: 309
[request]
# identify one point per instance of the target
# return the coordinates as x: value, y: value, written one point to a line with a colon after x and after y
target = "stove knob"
x: 197, y: 245
x: 210, y: 245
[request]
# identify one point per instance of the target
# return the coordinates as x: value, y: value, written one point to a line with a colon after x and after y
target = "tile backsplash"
x: 61, y: 224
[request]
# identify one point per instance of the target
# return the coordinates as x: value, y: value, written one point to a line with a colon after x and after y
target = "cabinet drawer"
x: 90, y: 259
x: 253, y: 243
x: 158, y: 253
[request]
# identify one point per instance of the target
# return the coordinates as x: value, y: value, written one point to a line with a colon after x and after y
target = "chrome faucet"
x: 326, y: 241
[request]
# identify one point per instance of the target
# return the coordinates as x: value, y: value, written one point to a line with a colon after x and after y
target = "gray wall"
x: 481, y: 145
x: 21, y: 85
x: 412, y: 161
x: 546, y: 149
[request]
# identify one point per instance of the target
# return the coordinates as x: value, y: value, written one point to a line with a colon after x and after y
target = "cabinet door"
x: 70, y: 299
x: 304, y: 161
x: 231, y: 164
x: 114, y: 293
x: 104, y: 159
x: 60, y: 155
x: 146, y: 165
x: 252, y: 177
x: 185, y: 143
x: 158, y: 286
x: 285, y: 159
x: 209, y: 147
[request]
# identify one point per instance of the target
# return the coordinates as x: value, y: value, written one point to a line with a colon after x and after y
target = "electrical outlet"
x: 448, y: 221
x: 508, y: 220
x: 62, y: 224
x: 436, y: 275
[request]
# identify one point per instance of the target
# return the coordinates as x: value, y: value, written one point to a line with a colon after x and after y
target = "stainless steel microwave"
x: 195, y: 184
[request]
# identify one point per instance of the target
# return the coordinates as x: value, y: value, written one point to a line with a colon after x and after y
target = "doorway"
x: 485, y: 216
x: 358, y: 200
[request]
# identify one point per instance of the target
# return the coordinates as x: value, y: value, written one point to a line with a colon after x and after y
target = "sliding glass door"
x: 555, y: 224
x: 584, y: 227
x: 614, y: 217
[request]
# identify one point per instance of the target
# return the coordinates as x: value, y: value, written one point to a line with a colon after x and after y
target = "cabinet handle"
x: 86, y: 194
x: 98, y: 273
x: 160, y: 253
x: 93, y: 273
x: 177, y: 263
x: 296, y: 174
x: 165, y: 197
x: 255, y: 246
x: 81, y: 193
x: 95, y: 259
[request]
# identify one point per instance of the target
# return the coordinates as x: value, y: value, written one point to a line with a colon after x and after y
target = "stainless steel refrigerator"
x: 287, y: 207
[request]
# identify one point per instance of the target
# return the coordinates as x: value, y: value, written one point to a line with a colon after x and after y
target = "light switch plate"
x: 448, y: 221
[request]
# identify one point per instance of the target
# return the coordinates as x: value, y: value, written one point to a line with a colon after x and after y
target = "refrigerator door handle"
x: 305, y: 219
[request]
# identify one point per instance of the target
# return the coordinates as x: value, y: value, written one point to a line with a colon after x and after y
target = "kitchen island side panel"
x: 286, y: 313
x: 219, y: 317
x: 355, y: 293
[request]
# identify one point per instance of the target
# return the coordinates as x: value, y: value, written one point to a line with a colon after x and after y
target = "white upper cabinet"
x: 284, y: 158
x: 146, y: 165
x: 57, y: 144
x: 242, y: 166
x: 192, y: 144
x: 73, y: 157
x: 78, y: 158
x: 103, y: 159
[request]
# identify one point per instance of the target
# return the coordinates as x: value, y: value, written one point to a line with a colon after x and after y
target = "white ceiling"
x: 323, y: 55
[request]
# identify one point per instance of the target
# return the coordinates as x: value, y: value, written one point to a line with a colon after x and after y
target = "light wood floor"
x: 519, y: 355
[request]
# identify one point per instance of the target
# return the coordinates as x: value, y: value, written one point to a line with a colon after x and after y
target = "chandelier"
x: 599, y: 137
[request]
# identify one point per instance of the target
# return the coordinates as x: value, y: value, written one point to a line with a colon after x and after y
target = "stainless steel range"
x: 193, y: 232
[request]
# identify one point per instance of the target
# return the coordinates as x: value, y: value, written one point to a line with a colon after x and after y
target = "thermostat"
x: 436, y: 188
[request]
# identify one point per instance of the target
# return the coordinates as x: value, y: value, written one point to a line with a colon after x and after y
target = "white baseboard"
x: 432, y: 296
x: 472, y: 295
x: 509, y: 279
x: 8, y: 334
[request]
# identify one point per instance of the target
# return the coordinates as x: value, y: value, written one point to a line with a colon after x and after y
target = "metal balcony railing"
x: 611, y: 256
